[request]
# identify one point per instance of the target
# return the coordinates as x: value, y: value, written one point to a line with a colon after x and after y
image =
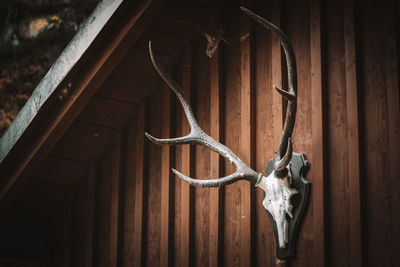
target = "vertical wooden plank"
x: 380, y: 124
x: 201, y: 196
x: 166, y: 181
x: 102, y: 216
x: 276, y: 68
x: 90, y: 194
x: 114, y: 199
x: 276, y: 65
x: 352, y: 136
x: 67, y: 228
x: 152, y: 187
x: 264, y: 128
x: 84, y: 220
x: 215, y: 163
x: 337, y: 237
x: 139, y: 180
x: 298, y: 29
x: 317, y: 136
x: 231, y: 123
x: 129, y: 237
x: 393, y: 105
x: 246, y: 140
x: 177, y: 185
x: 108, y: 203
x: 186, y: 198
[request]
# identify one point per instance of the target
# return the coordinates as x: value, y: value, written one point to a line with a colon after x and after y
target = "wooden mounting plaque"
x: 299, y: 168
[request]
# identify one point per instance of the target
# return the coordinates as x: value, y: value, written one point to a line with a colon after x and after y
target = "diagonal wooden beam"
x: 22, y: 152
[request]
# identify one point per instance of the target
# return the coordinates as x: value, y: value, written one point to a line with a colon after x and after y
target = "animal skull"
x: 277, y: 199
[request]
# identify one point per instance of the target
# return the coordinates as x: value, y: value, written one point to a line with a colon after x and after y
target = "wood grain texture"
x: 277, y: 80
x: 380, y: 113
x: 108, y: 207
x: 152, y: 187
x: 266, y: 115
x: 231, y: 124
x: 186, y: 194
x: 178, y: 118
x: 215, y: 162
x: 246, y: 140
x: 297, y: 19
x: 317, y: 102
x: 166, y: 182
x: 392, y: 50
x: 128, y: 230
x: 114, y: 204
x: 337, y: 210
x: 201, y: 163
x: 139, y: 187
x: 352, y: 136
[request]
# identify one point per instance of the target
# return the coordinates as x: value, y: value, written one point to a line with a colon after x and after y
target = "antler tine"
x: 229, y: 179
x: 291, y: 94
x: 177, y: 90
x: 198, y: 136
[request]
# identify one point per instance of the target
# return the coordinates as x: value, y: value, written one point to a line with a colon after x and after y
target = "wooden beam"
x: 139, y: 186
x: 97, y: 67
x: 317, y: 168
x: 166, y: 182
x: 352, y: 136
x: 246, y: 141
x: 215, y: 161
x: 186, y: 194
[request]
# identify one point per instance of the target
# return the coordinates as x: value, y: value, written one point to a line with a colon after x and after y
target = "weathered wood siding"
x: 347, y: 125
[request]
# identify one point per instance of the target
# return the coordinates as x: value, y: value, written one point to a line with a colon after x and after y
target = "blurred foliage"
x: 33, y: 33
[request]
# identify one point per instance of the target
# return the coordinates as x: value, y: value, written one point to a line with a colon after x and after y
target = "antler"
x: 285, y: 144
x: 198, y: 136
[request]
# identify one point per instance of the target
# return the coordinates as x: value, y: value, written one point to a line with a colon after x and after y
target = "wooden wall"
x: 347, y: 124
x: 132, y: 211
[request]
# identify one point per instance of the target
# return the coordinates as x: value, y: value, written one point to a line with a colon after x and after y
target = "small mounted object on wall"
x: 286, y: 191
x: 213, y: 40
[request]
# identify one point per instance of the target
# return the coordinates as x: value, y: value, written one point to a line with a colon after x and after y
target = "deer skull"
x: 277, y: 199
